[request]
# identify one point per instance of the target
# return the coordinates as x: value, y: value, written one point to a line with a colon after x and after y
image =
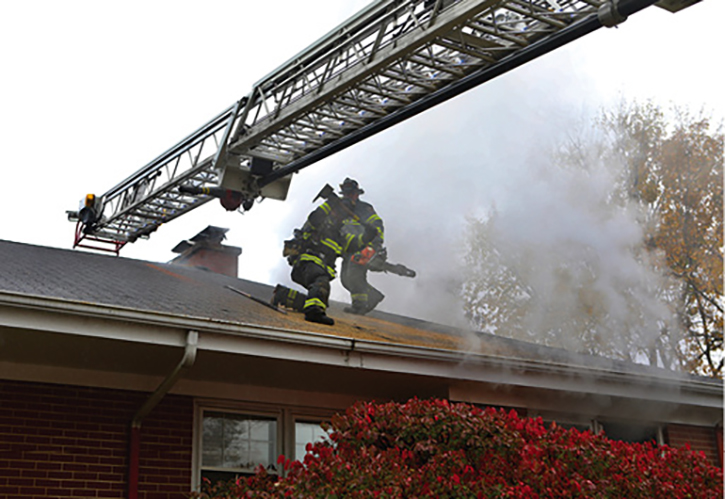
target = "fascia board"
x: 80, y: 318
x: 120, y: 323
x: 539, y: 374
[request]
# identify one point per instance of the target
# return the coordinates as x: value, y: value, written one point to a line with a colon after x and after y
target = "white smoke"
x: 576, y: 251
x: 489, y: 148
x: 425, y: 176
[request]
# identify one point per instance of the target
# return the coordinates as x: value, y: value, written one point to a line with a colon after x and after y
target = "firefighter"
x: 359, y: 217
x: 313, y: 253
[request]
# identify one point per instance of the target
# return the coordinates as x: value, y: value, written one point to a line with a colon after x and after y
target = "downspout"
x: 192, y: 339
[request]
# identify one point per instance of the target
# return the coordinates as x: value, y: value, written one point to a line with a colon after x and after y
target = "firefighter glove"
x: 291, y: 247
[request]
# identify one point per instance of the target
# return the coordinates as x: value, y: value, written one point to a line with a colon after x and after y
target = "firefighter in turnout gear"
x: 359, y: 217
x: 312, y: 253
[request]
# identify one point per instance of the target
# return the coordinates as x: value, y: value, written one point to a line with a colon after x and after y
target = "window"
x: 566, y: 421
x: 305, y: 433
x: 235, y: 444
x: 632, y: 433
x: 582, y: 427
x: 232, y: 440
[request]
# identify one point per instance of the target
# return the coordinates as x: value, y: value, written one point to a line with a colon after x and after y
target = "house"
x: 128, y: 378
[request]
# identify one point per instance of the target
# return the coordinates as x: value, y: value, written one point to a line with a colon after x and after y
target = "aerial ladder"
x: 389, y: 62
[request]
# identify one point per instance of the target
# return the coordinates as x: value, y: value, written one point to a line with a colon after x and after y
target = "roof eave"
x: 156, y: 328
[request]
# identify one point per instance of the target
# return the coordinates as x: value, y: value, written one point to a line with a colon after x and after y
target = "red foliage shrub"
x: 443, y: 450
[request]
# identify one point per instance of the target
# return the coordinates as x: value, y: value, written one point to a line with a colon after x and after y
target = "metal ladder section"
x: 390, y: 61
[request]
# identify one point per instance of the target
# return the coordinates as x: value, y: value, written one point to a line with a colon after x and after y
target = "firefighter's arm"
x: 373, y: 220
x: 319, y: 215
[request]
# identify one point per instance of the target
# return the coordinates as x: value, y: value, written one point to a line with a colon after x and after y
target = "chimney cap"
x: 210, y: 235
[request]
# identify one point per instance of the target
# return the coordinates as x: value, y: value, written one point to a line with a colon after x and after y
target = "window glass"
x: 568, y: 425
x: 630, y: 433
x: 306, y: 432
x: 237, y: 442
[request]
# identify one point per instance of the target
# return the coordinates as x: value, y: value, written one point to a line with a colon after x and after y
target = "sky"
x: 92, y: 91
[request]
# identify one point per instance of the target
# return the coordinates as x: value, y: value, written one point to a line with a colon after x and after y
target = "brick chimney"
x: 205, y: 250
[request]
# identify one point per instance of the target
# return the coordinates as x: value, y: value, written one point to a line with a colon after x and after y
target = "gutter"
x: 192, y: 340
x: 225, y: 336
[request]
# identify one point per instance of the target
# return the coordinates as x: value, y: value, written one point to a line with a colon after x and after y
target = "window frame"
x: 293, y: 436
x: 597, y: 424
x: 285, y: 416
x: 657, y: 427
x: 249, y: 410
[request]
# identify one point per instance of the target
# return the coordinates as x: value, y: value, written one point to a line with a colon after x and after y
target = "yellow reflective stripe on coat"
x: 317, y: 260
x: 330, y: 243
x: 372, y: 218
x: 326, y: 208
x: 349, y: 238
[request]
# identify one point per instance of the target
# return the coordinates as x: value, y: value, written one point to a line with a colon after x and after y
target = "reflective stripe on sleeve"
x: 332, y: 245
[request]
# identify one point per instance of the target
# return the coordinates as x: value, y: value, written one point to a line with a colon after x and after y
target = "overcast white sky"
x: 91, y: 91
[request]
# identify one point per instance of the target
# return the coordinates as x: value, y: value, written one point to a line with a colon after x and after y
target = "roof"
x: 198, y: 293
x: 164, y: 300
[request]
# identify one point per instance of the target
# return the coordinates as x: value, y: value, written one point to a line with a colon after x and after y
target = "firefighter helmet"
x: 350, y: 186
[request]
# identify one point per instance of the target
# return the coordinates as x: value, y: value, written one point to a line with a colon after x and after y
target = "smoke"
x: 427, y: 175
x: 488, y: 148
x: 576, y: 252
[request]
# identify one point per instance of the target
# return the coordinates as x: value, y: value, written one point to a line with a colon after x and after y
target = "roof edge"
x: 460, y: 360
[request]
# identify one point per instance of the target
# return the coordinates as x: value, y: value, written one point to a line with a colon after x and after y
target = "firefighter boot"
x: 317, y: 314
x: 356, y: 308
x: 374, y: 297
x: 359, y: 304
x: 364, y: 303
x: 288, y: 298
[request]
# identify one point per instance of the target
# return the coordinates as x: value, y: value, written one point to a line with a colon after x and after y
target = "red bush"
x: 437, y: 449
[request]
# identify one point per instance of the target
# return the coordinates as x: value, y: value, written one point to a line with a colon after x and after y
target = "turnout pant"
x: 317, y: 282
x: 354, y: 279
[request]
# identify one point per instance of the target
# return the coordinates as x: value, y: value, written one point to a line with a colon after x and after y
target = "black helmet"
x: 350, y: 186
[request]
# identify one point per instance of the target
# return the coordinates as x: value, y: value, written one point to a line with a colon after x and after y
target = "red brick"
x: 110, y: 494
x: 34, y: 474
x: 31, y: 491
x: 18, y: 438
x: 110, y: 477
x: 73, y: 441
x: 60, y: 475
x: 21, y: 482
x: 99, y: 468
x: 7, y: 472
x: 85, y: 476
x: 697, y: 437
x: 53, y: 492
x: 74, y: 467
x: 83, y: 493
x: 25, y: 465
x: 48, y: 483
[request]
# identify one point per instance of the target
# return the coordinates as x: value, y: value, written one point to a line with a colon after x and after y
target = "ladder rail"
x: 395, y: 68
x: 389, y: 62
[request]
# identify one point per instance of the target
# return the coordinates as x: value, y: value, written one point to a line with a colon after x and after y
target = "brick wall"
x: 65, y: 441
x: 700, y: 438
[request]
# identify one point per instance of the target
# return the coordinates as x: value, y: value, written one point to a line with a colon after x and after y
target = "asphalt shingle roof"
x: 193, y: 292
x: 174, y: 289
